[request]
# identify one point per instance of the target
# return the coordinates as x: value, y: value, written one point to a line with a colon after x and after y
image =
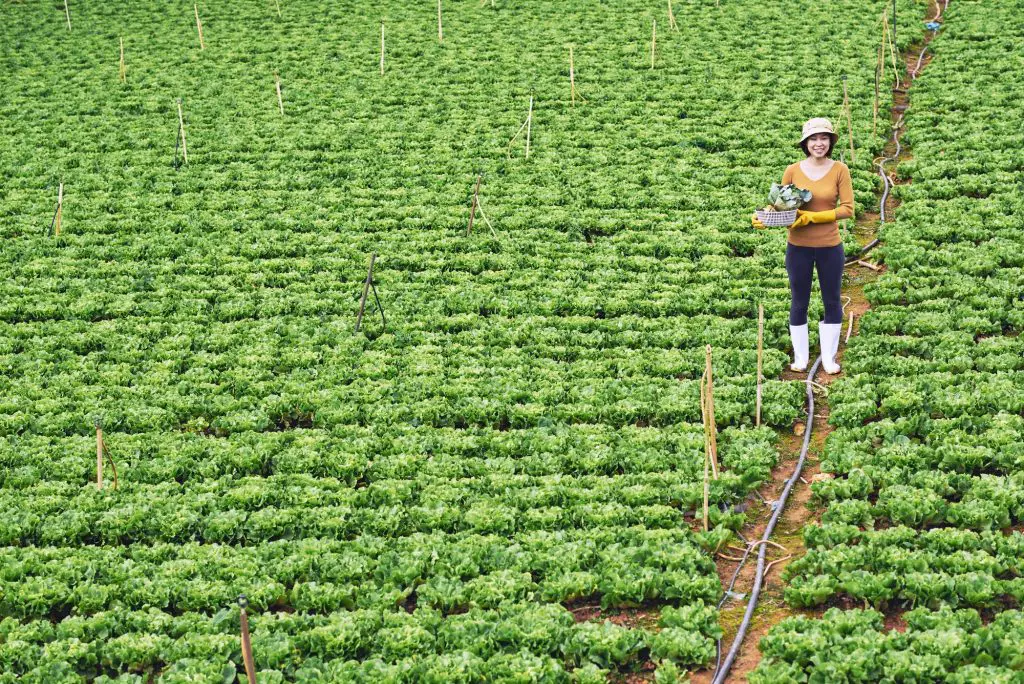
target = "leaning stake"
x: 672, y: 17
x: 711, y: 425
x: 250, y: 666
x: 60, y: 209
x: 366, y: 290
x: 199, y: 27
x: 440, y: 32
x: 67, y: 14
x: 382, y: 47
x: 529, y: 125
x: 277, y: 84
x: 474, y: 204
x: 181, y: 126
x: 123, y: 72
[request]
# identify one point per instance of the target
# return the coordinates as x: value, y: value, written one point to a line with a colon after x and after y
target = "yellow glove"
x: 805, y: 217
x: 754, y: 222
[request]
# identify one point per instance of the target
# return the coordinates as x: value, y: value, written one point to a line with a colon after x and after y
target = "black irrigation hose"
x: 722, y: 671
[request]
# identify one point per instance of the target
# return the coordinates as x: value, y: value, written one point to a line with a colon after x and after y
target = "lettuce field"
x: 497, y: 471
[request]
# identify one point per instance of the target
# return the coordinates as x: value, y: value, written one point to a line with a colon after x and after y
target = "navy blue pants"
x: 800, y: 265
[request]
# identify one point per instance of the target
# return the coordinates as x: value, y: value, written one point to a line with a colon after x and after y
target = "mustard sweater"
x: 836, y: 184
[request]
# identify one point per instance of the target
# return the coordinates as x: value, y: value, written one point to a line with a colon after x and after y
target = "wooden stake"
x: 572, y: 78
x: 760, y: 353
x: 99, y: 457
x: 181, y: 123
x: 526, y: 126
x: 892, y: 52
x: 529, y: 125
x: 474, y: 204
x: 250, y: 666
x: 672, y: 18
x: 881, y: 49
x: 654, y: 39
x: 440, y: 32
x: 707, y: 396
x: 849, y: 118
x: 60, y: 209
x: 366, y: 290
x: 382, y: 47
x: 67, y: 14
x: 480, y: 208
x: 123, y: 72
x: 277, y: 3
x: 277, y: 84
x: 199, y: 27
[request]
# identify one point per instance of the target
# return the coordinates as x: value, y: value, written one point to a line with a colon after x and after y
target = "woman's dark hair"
x: 831, y: 144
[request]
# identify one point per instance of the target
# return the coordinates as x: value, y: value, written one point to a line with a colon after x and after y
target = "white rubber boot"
x: 798, y: 334
x: 829, y: 334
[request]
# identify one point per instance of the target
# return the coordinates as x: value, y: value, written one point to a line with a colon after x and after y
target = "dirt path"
x: 799, y: 508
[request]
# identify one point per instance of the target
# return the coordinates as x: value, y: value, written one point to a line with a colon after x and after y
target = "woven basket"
x: 776, y: 218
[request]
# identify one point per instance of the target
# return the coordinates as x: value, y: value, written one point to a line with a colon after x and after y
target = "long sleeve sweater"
x: 836, y: 184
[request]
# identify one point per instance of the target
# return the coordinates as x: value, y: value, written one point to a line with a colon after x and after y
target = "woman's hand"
x: 754, y: 222
x: 802, y: 219
x: 805, y: 217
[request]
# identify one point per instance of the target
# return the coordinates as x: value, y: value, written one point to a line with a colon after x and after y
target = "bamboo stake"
x: 99, y: 457
x: 654, y: 39
x: 122, y: 71
x: 366, y: 290
x: 199, y: 27
x: 277, y: 3
x: 672, y: 18
x: 529, y: 125
x: 892, y: 53
x: 849, y: 118
x: 277, y: 84
x: 760, y: 353
x: 526, y: 126
x: 60, y: 209
x: 250, y: 666
x: 67, y: 14
x: 711, y: 428
x: 712, y: 423
x: 382, y: 47
x: 474, y: 204
x: 881, y: 49
x: 440, y: 32
x: 572, y: 78
x: 480, y: 208
x: 181, y: 123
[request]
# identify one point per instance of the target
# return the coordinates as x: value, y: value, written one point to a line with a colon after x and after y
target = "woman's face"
x: 818, y: 145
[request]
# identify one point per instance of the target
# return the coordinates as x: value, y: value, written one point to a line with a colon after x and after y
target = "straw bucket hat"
x: 818, y: 125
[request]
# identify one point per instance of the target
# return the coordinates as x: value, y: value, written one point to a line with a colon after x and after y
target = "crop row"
x: 543, y: 642
x: 853, y: 646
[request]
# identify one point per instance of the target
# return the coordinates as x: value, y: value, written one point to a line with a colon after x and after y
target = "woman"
x: 814, y: 241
